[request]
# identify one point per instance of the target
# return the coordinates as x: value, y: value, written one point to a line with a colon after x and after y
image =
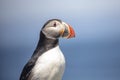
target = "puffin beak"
x: 71, y: 32
x: 68, y: 31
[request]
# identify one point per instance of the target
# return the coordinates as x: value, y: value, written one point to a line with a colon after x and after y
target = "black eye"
x: 54, y: 24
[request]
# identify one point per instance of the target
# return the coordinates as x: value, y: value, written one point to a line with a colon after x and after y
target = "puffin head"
x: 56, y: 28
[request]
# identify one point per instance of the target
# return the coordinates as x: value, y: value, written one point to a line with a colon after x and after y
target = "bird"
x: 47, y: 61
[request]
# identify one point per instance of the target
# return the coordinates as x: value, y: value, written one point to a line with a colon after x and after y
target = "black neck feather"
x: 45, y: 44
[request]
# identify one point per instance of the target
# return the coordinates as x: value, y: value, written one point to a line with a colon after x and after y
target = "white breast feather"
x: 49, y: 66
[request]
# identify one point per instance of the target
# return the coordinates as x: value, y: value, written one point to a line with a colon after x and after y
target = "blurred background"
x: 94, y: 54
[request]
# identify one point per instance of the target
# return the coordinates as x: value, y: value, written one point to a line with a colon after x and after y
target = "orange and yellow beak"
x: 68, y: 31
x: 71, y: 32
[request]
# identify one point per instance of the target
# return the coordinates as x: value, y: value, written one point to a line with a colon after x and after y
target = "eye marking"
x: 54, y: 24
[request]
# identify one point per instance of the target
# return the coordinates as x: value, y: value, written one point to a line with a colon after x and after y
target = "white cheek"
x: 50, y: 32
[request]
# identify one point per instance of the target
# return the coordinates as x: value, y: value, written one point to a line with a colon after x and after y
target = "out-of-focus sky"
x: 93, y: 55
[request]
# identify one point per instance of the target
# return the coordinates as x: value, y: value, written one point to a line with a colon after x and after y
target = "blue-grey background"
x: 93, y: 55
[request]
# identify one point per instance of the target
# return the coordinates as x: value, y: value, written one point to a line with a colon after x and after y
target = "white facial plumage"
x: 53, y: 29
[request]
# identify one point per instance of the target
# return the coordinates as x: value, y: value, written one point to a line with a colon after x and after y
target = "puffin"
x: 47, y: 61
